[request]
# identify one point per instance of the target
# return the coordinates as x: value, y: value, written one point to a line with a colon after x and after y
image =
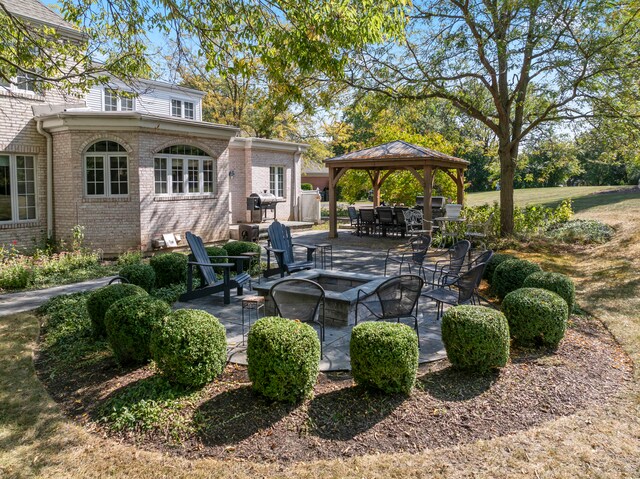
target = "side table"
x: 252, y: 303
x: 324, y: 249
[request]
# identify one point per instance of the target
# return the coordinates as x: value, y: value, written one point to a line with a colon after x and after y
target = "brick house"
x: 127, y: 168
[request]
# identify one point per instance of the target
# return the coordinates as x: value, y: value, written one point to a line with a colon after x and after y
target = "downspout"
x: 49, y: 138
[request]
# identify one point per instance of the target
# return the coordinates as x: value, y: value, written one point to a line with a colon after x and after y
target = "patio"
x: 348, y: 253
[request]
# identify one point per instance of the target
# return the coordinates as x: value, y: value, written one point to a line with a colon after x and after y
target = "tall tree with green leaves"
x: 511, y: 64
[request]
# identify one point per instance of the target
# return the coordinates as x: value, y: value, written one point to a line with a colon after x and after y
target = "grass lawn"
x: 37, y: 440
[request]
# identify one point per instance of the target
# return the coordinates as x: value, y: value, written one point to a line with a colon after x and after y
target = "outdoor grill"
x: 259, y: 203
x: 437, y: 205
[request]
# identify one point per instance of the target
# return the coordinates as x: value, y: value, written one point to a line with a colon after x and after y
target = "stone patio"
x: 352, y: 254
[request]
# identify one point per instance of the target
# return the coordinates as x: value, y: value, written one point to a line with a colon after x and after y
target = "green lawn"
x: 583, y: 196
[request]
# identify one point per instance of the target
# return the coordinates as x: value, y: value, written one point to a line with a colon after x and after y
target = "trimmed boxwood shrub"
x: 384, y: 356
x: 559, y: 283
x: 129, y: 322
x: 283, y: 358
x: 100, y: 300
x: 476, y: 338
x: 139, y: 274
x: 510, y: 275
x: 236, y: 248
x: 189, y: 347
x: 306, y: 187
x: 536, y: 317
x: 495, y: 260
x: 170, y: 268
x: 217, y: 251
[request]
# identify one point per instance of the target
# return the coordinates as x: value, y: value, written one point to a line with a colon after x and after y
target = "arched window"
x: 184, y: 169
x: 106, y: 169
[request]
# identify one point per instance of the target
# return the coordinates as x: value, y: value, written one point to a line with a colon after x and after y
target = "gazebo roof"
x: 396, y: 155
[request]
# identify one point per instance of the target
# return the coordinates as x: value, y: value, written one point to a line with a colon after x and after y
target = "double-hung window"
x: 183, y: 109
x: 114, y: 101
x: 276, y: 181
x: 17, y: 188
x: 22, y: 83
x: 183, y: 169
x: 106, y: 170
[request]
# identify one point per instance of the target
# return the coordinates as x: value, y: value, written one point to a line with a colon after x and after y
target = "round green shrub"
x: 306, y: 187
x: 170, y: 268
x: 217, y: 251
x: 189, y: 347
x: 559, y: 283
x: 536, y: 317
x: 495, y: 260
x: 384, y: 356
x: 283, y: 358
x: 139, y: 274
x: 476, y: 338
x: 100, y: 300
x: 510, y: 275
x: 236, y: 248
x: 129, y: 322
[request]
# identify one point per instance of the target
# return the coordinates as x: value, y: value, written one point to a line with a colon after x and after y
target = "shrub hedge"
x: 536, y: 317
x: 139, y: 274
x: 189, y: 346
x: 283, y: 358
x: 236, y: 248
x: 476, y: 338
x: 384, y: 356
x: 100, y: 300
x: 495, y: 260
x: 510, y: 275
x: 170, y: 268
x: 129, y: 322
x: 558, y: 283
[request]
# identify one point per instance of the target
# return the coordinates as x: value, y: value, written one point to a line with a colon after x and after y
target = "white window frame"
x: 276, y: 184
x: 106, y: 159
x: 186, y: 160
x: 12, y: 86
x: 15, y: 194
x: 181, y: 108
x: 120, y: 100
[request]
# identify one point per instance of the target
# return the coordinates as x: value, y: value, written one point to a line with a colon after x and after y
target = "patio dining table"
x: 384, y: 227
x: 448, y: 226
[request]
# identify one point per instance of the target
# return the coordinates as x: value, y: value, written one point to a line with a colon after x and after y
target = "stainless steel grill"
x: 259, y: 203
x: 437, y: 205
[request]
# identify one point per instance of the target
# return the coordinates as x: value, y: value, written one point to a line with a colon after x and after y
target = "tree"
x: 512, y: 65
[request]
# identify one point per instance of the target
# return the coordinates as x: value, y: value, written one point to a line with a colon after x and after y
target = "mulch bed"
x: 447, y: 407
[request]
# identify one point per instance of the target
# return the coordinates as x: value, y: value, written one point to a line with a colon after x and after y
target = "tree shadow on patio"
x: 234, y: 415
x: 345, y: 413
x: 450, y: 384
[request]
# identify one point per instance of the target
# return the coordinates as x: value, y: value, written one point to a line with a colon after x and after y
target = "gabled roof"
x: 38, y: 13
x: 396, y: 149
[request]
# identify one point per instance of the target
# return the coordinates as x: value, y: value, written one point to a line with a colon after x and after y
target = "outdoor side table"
x: 325, y: 250
x: 252, y: 303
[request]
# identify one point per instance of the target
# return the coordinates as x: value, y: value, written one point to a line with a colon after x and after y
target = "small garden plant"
x: 494, y: 262
x: 129, y: 323
x: 189, y: 347
x: 476, y: 338
x: 283, y: 358
x: 536, y: 317
x: 560, y: 284
x: 170, y: 268
x: 100, y: 300
x: 140, y: 274
x: 510, y: 275
x: 384, y: 356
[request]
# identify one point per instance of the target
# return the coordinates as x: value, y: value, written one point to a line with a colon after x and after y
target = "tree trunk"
x: 507, y: 173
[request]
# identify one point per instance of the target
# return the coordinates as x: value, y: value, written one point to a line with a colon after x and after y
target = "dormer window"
x: 182, y: 109
x: 113, y: 101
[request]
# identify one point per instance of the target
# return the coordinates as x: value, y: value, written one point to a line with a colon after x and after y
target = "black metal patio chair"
x: 300, y: 299
x: 411, y: 253
x: 354, y: 219
x: 368, y: 220
x: 458, y: 291
x: 447, y: 264
x: 395, y: 298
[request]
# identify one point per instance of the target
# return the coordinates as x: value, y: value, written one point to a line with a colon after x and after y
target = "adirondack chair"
x: 281, y: 246
x: 209, y: 282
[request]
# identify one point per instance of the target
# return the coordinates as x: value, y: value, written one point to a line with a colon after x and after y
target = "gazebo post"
x: 333, y: 210
x: 460, y: 185
x: 376, y: 188
x: 428, y: 187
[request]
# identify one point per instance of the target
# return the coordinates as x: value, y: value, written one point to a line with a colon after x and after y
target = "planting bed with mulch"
x: 227, y: 420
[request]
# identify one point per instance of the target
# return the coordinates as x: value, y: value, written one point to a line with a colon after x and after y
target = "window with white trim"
x: 276, y: 181
x: 22, y: 83
x: 106, y: 167
x: 17, y: 188
x: 183, y: 169
x: 115, y: 101
x: 183, y: 109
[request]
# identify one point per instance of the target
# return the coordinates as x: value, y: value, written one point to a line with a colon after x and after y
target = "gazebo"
x: 382, y: 160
